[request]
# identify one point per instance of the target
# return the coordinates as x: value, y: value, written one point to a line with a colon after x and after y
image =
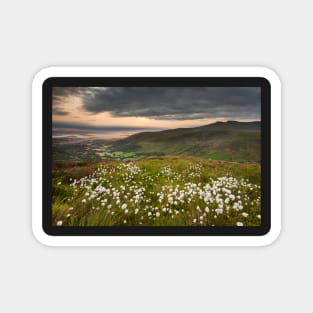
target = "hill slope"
x: 231, y: 141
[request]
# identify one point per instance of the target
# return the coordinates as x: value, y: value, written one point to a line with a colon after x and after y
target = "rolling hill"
x: 229, y: 141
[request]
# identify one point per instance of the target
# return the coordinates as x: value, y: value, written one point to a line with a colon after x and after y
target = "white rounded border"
x: 42, y: 237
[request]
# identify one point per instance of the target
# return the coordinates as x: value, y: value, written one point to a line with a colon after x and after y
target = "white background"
x: 36, y: 34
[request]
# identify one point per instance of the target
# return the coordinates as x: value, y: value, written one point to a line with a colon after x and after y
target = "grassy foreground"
x: 167, y: 191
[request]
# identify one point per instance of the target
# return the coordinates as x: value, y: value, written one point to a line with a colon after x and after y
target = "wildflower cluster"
x: 159, y: 194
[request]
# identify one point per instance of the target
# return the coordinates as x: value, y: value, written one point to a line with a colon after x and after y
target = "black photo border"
x: 261, y: 82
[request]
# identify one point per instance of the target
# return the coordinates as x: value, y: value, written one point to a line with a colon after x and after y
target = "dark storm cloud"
x: 59, y: 93
x: 58, y: 96
x: 57, y: 111
x: 169, y: 102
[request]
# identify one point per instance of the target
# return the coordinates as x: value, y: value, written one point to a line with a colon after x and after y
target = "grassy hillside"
x: 231, y: 141
x: 163, y: 191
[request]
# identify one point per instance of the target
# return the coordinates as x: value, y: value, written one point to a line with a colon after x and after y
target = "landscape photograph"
x: 156, y: 156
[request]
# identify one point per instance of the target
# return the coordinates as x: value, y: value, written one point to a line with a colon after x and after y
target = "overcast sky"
x: 156, y: 107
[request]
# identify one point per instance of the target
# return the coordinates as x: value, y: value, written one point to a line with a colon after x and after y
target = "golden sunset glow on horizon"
x: 106, y: 119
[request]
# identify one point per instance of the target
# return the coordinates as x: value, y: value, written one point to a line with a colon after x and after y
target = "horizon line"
x: 88, y: 127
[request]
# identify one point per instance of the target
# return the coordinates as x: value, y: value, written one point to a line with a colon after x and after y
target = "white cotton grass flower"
x: 59, y: 223
x: 71, y: 208
x: 219, y: 211
x: 218, y: 197
x: 239, y: 224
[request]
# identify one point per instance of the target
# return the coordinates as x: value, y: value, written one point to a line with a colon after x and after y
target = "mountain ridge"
x: 230, y: 141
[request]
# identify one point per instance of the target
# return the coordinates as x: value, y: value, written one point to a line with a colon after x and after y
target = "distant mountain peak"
x: 232, y: 123
x: 226, y: 122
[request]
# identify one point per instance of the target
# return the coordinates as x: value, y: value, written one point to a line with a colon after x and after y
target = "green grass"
x: 104, y: 194
x: 232, y: 141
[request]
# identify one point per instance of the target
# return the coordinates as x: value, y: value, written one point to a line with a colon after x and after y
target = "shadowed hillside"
x: 230, y: 141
